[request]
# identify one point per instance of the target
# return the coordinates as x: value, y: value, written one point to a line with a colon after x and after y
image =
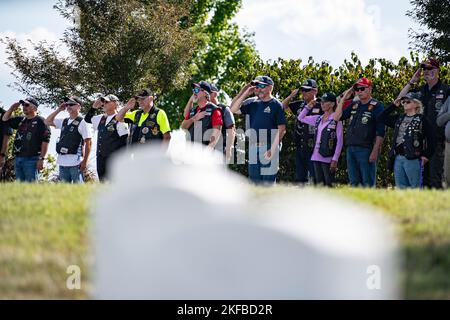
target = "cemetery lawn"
x: 45, y: 228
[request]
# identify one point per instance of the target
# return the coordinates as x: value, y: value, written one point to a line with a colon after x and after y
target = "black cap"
x: 109, y: 98
x: 309, y: 84
x: 213, y: 87
x: 73, y: 99
x: 30, y: 100
x: 145, y: 93
x: 204, y: 85
x: 412, y: 96
x: 329, y: 96
x: 262, y: 79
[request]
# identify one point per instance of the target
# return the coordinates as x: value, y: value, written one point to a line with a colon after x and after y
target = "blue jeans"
x: 70, y: 174
x: 407, y: 173
x: 304, y: 167
x: 360, y: 170
x: 260, y: 170
x: 25, y: 169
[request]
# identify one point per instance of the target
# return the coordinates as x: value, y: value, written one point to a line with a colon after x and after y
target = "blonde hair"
x: 419, y: 106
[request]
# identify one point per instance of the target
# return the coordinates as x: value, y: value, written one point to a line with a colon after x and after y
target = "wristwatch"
x: 41, y: 158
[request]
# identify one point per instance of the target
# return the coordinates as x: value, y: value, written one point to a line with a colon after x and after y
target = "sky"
x: 328, y: 30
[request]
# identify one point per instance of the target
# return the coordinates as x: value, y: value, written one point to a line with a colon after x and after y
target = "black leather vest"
x: 362, y: 129
x: 206, y: 123
x: 149, y: 130
x: 70, y: 139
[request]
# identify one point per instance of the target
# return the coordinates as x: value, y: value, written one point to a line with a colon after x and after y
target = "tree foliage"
x: 114, y: 47
x: 434, y: 16
x: 388, y: 78
x: 120, y: 46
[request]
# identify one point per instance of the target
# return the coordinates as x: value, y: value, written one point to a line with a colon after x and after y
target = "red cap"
x: 363, y: 82
x: 431, y: 62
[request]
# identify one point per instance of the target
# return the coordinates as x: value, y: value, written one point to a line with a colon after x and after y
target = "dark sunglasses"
x: 360, y: 89
x: 305, y: 90
x: 71, y: 104
x: 406, y: 102
x: 25, y: 104
x: 261, y: 86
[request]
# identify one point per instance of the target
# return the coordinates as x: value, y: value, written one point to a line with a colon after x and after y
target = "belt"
x: 400, y: 150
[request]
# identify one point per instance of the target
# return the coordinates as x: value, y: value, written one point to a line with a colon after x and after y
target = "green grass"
x: 45, y: 228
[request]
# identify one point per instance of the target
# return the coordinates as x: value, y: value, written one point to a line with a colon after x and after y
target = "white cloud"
x: 36, y: 35
x: 325, y: 29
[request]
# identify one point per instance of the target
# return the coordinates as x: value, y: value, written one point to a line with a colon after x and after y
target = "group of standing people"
x: 416, y: 155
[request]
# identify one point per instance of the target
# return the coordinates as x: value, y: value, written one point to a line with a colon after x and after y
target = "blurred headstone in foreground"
x: 181, y: 226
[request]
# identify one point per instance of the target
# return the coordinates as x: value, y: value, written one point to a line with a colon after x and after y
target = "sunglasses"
x: 26, y: 104
x: 305, y: 90
x: 360, y: 89
x: 71, y: 104
x: 196, y: 90
x: 428, y: 68
x: 261, y: 86
x: 404, y: 102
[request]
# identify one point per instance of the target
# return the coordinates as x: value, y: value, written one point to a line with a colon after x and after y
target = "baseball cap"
x: 204, y: 85
x: 412, y: 96
x: 262, y: 79
x: 214, y: 88
x: 309, y: 84
x: 109, y: 98
x: 145, y: 93
x: 31, y: 100
x: 431, y: 62
x: 73, y: 99
x: 329, y: 96
x: 363, y: 82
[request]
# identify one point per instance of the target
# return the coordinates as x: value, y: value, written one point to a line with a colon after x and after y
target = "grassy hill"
x: 45, y: 228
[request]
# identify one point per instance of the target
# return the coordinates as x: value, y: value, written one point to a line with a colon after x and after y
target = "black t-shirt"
x: 31, y: 133
x: 4, y: 128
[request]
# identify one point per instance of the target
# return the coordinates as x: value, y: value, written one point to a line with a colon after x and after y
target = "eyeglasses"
x: 305, y: 90
x: 71, y: 104
x: 404, y: 102
x: 360, y: 89
x: 26, y: 104
x: 261, y: 86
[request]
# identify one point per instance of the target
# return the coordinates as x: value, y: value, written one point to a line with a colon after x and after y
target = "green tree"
x: 121, y: 46
x: 114, y: 47
x: 221, y: 50
x: 432, y: 15
x: 388, y: 78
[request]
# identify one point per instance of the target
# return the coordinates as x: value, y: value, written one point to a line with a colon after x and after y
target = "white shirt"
x: 72, y: 160
x: 122, y: 128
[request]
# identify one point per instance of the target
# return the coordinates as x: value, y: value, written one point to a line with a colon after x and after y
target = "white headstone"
x: 181, y: 226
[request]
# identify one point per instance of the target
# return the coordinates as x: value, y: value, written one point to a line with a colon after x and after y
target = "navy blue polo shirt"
x: 263, y: 115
